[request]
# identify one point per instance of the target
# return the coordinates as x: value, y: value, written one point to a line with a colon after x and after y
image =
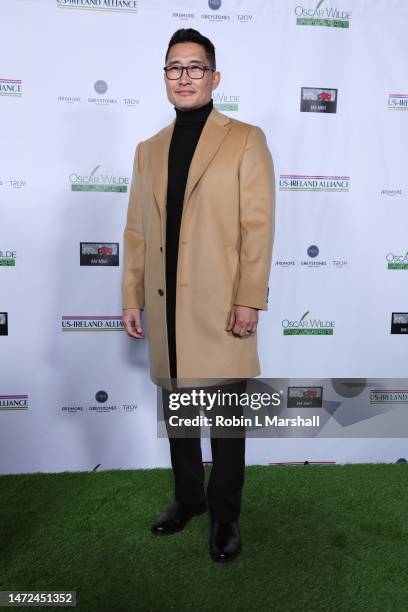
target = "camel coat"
x: 225, y: 249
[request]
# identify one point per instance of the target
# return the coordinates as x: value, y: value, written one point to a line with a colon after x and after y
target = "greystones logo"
x: 101, y: 397
x: 313, y: 250
x: 101, y: 87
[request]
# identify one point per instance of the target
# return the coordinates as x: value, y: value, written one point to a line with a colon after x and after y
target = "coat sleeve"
x: 257, y: 219
x: 134, y: 243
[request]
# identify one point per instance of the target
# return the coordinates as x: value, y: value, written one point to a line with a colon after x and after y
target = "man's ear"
x: 216, y: 79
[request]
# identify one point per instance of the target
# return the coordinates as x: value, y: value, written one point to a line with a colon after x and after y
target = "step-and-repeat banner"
x: 81, y: 83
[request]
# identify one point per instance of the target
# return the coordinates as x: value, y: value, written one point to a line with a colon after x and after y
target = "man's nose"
x: 185, y: 79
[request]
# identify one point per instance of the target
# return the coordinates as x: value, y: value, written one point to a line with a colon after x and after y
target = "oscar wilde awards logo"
x: 12, y: 88
x: 99, y: 253
x: 8, y: 258
x: 118, y: 6
x: 318, y: 100
x: 98, y: 182
x: 101, y: 407
x: 326, y: 16
x: 222, y: 102
x: 88, y: 323
x: 307, y: 326
x: 397, y: 262
x: 303, y: 182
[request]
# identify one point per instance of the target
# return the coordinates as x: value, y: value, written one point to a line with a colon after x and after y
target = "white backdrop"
x: 81, y: 84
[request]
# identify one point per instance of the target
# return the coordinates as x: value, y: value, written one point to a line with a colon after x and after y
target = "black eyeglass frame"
x: 186, y: 68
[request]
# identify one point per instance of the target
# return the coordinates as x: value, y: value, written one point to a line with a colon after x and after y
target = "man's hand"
x: 132, y: 320
x: 242, y: 318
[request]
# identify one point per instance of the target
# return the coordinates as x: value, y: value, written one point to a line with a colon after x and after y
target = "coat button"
x: 161, y: 248
x: 161, y: 292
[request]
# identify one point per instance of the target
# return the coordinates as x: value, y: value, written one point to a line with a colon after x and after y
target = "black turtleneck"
x: 186, y: 133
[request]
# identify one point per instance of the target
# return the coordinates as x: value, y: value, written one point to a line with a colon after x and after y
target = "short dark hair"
x: 185, y: 35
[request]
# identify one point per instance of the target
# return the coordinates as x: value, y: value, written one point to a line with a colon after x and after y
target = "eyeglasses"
x: 194, y: 72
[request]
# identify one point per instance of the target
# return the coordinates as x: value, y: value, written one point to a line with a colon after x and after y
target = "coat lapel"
x: 159, y: 159
x: 215, y: 129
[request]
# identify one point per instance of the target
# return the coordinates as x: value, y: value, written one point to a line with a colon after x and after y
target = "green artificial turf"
x: 314, y: 538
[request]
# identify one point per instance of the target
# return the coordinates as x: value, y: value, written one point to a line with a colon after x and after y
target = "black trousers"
x: 227, y: 445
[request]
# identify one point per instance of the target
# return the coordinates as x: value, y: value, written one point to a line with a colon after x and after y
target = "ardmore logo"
x: 119, y: 6
x: 397, y: 262
x: 307, y: 326
x: 303, y: 182
x: 11, y: 87
x: 98, y: 182
x: 80, y: 323
x: 13, y: 402
x: 327, y: 16
x: 183, y: 16
x: 392, y: 192
x: 223, y: 102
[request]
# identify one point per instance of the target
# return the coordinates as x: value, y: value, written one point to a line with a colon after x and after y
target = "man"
x: 198, y: 246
